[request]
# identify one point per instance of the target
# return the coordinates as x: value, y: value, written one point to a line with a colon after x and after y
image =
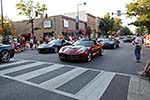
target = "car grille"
x: 72, y: 56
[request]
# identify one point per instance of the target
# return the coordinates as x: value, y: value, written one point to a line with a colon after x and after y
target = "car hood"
x: 3, y: 46
x: 74, y: 49
x: 45, y: 45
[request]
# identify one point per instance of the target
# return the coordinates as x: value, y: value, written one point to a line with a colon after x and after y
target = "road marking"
x: 61, y: 79
x: 13, y: 63
x: 97, y: 87
x: 38, y: 72
x: 92, y: 91
x: 20, y: 67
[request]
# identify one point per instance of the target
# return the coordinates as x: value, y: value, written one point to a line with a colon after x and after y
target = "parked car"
x: 110, y: 43
x: 6, y: 53
x: 81, y: 50
x: 52, y: 46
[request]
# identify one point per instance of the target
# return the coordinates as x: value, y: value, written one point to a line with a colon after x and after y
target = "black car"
x: 6, y: 52
x: 127, y: 39
x: 110, y: 43
x: 52, y: 46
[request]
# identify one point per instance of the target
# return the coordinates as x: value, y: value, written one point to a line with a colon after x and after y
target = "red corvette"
x: 81, y: 50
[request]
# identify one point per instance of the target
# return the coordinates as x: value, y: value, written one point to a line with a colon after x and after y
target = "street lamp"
x: 2, y: 18
x: 77, y: 17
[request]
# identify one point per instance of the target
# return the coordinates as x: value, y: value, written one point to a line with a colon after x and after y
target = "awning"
x: 69, y: 31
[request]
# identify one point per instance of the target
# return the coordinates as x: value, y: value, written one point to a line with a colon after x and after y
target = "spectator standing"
x: 6, y: 40
x: 35, y: 42
x: 138, y: 42
x: 31, y: 43
x: 41, y: 40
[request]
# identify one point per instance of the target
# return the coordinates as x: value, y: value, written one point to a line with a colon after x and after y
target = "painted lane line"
x: 61, y: 79
x: 96, y: 90
x: 38, y: 72
x: 13, y: 63
x: 20, y: 67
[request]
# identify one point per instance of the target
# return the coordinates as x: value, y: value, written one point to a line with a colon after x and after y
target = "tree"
x: 9, y: 28
x: 28, y: 9
x: 140, y: 10
x: 140, y: 30
x: 106, y: 24
x: 126, y: 31
x: 117, y: 24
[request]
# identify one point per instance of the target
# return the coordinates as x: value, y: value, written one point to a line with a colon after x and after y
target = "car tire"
x: 61, y: 59
x: 89, y: 57
x: 56, y: 49
x: 118, y: 45
x: 5, y: 56
x: 100, y: 52
x: 40, y: 51
x: 114, y: 46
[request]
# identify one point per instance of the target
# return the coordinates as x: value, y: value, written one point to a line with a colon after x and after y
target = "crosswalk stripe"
x: 136, y: 87
x: 60, y: 80
x: 13, y: 63
x: 97, y: 88
x: 92, y: 91
x: 38, y: 72
x: 20, y: 67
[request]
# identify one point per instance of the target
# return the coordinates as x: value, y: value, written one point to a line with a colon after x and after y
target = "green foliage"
x: 106, y: 24
x: 29, y: 9
x: 9, y: 28
x: 141, y: 30
x: 141, y: 10
x: 117, y: 24
x: 126, y: 31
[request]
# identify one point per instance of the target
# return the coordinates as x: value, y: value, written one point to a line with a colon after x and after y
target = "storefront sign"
x: 66, y: 23
x: 47, y: 24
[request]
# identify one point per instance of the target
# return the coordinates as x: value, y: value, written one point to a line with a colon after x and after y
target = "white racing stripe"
x: 39, y: 72
x: 96, y: 88
x: 61, y: 79
x: 13, y: 63
x: 20, y: 67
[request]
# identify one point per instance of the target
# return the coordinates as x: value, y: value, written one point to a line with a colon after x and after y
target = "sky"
x: 57, y: 7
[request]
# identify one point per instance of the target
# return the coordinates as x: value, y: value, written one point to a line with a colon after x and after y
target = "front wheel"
x: 114, y: 46
x: 100, y: 52
x: 4, y: 56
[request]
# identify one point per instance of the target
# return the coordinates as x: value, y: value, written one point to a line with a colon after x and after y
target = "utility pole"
x: 2, y: 19
x: 77, y: 17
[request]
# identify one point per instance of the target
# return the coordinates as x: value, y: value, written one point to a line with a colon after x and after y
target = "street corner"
x: 139, y: 88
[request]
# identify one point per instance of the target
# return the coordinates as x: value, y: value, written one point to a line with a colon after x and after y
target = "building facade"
x: 52, y: 26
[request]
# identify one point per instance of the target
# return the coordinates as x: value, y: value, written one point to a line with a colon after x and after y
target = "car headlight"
x: 61, y: 50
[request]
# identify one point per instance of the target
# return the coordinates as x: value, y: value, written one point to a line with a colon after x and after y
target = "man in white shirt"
x: 138, y: 42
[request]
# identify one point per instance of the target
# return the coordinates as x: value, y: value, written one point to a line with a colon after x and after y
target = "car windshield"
x: 108, y: 39
x: 84, y: 43
x: 55, y: 42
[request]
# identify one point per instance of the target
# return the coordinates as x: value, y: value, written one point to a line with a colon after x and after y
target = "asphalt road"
x: 121, y: 60
x: 34, y: 76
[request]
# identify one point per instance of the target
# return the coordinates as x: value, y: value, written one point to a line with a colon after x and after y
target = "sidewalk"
x: 139, y: 89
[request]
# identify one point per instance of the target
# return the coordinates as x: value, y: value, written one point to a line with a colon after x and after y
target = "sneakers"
x: 138, y: 61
